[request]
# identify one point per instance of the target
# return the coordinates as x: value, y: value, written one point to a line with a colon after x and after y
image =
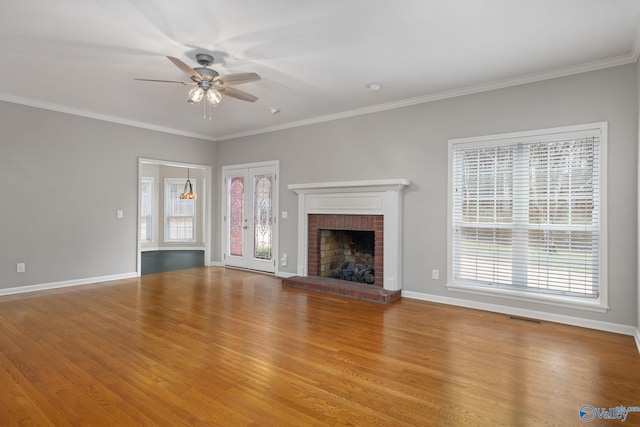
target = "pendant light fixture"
x: 188, y: 193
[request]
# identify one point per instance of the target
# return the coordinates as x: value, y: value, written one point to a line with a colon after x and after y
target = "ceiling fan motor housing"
x: 207, y: 74
x: 204, y: 59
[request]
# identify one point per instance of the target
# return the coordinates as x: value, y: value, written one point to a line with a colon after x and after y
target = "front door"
x: 249, y: 217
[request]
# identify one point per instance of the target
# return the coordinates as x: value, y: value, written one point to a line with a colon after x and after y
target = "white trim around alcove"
x: 372, y: 197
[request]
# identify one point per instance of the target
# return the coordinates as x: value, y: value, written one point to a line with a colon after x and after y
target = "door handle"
x: 245, y: 227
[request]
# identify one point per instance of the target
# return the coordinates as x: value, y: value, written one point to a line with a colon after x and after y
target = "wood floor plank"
x: 214, y: 346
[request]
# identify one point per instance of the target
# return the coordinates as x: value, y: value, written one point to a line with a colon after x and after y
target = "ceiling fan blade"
x: 165, y: 81
x: 236, y: 79
x: 185, y: 68
x: 238, y: 94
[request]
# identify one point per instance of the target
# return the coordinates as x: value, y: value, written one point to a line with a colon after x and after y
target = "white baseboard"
x: 637, y: 337
x: 533, y: 314
x: 284, y: 274
x: 214, y: 264
x: 65, y: 284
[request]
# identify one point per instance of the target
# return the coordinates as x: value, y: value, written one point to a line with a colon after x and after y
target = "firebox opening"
x: 347, y: 255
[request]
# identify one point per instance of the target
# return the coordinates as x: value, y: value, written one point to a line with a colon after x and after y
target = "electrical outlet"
x: 21, y: 267
x: 435, y: 274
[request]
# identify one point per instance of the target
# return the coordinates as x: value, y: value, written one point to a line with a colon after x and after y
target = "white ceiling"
x: 315, y: 57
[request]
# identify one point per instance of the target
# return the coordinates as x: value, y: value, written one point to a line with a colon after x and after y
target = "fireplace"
x: 348, y: 255
x: 374, y: 205
x: 336, y: 238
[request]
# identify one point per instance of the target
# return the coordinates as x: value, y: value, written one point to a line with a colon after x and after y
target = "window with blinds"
x: 179, y: 214
x: 526, y: 214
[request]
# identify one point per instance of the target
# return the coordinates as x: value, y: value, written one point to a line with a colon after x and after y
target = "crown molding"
x: 98, y: 116
x: 438, y: 96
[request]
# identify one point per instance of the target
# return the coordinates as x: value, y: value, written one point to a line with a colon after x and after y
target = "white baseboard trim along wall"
x: 532, y: 314
x: 65, y: 284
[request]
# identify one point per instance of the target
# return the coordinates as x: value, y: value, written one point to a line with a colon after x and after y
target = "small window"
x: 527, y: 216
x: 146, y: 209
x: 179, y: 214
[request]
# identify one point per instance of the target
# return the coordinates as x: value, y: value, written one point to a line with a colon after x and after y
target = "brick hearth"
x: 343, y: 288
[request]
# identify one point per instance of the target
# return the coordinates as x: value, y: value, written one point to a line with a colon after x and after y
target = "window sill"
x: 597, y: 305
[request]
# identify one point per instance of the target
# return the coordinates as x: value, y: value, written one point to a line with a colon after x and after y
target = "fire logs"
x: 354, y: 272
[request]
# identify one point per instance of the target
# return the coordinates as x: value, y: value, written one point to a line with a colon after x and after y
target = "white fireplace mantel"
x: 371, y: 197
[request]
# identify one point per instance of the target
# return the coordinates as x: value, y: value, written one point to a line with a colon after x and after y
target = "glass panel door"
x: 262, y: 218
x: 236, y: 216
x: 249, y: 218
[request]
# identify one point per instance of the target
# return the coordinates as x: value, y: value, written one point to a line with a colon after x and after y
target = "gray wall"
x: 412, y: 143
x: 638, y: 241
x: 64, y: 178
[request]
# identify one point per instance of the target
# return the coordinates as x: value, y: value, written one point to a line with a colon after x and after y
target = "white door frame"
x: 204, y: 189
x: 275, y: 164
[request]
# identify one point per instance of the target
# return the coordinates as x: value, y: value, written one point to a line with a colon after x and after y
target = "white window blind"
x: 180, y: 214
x: 526, y: 213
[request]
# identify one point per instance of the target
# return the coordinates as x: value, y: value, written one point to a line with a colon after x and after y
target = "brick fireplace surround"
x: 319, y: 222
x: 357, y: 205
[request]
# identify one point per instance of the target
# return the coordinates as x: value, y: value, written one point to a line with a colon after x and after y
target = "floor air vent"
x: 525, y: 319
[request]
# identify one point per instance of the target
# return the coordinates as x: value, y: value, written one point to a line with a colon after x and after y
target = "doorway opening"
x: 173, y: 233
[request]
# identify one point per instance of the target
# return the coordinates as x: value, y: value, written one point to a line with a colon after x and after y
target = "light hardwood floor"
x: 210, y: 346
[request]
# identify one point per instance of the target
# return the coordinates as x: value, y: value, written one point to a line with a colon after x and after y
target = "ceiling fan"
x: 209, y: 84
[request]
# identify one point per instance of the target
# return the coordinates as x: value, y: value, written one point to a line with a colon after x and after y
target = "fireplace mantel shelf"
x: 368, y: 185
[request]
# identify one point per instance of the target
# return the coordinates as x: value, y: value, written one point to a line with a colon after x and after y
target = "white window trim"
x: 167, y: 193
x: 601, y: 303
x: 150, y: 234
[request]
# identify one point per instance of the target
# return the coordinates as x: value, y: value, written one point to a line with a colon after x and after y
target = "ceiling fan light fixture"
x: 214, y: 97
x: 210, y: 84
x: 195, y: 95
